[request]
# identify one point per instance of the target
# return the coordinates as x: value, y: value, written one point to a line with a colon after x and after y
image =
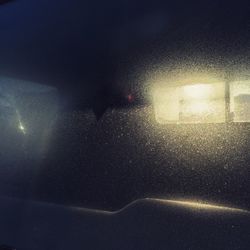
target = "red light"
x: 130, y: 98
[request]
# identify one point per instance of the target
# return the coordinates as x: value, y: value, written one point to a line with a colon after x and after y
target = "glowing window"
x: 193, y: 103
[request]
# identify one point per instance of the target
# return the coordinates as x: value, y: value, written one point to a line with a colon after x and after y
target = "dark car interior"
x: 124, y: 125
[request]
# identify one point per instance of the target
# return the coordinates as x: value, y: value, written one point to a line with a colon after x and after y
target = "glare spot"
x: 21, y: 127
x: 197, y: 91
x: 198, y: 98
x: 202, y: 206
x: 199, y: 107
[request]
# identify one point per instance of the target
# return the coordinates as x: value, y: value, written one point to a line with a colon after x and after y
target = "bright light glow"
x: 197, y: 98
x: 21, y: 127
x: 194, y: 103
x: 201, y: 206
x: 196, y: 206
x: 20, y: 124
x: 166, y: 104
x: 198, y: 107
x: 197, y: 91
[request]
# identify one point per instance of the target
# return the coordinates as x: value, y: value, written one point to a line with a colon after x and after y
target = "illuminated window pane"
x: 202, y: 103
x: 240, y: 101
x: 195, y: 103
x: 166, y: 104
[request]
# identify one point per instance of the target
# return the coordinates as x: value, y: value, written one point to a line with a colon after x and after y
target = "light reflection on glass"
x: 197, y: 205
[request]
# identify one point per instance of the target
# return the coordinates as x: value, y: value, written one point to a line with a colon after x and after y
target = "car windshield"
x: 93, y: 115
x: 103, y: 103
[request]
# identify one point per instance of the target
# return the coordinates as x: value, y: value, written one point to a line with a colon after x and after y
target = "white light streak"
x: 201, y: 206
x: 21, y: 127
